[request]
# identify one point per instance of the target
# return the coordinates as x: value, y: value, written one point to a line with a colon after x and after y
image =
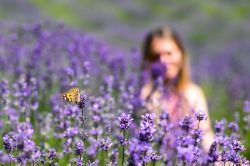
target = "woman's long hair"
x: 183, y: 77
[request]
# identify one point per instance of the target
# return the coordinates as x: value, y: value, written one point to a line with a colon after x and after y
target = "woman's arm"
x: 198, y: 101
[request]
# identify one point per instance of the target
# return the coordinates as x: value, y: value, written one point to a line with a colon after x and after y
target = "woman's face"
x: 169, y: 54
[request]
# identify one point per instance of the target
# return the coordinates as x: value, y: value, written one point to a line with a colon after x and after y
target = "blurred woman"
x: 163, y: 46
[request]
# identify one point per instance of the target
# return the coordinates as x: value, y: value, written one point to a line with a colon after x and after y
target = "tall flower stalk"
x: 125, y: 122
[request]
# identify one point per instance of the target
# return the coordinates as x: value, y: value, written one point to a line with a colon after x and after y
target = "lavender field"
x: 99, y: 53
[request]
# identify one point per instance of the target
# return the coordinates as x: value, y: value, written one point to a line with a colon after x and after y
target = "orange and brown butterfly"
x: 72, y: 96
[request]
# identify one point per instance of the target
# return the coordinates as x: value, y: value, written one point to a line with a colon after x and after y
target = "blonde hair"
x: 148, y: 58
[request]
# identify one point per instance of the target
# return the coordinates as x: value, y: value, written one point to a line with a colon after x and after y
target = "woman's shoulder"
x: 193, y: 89
x: 194, y: 94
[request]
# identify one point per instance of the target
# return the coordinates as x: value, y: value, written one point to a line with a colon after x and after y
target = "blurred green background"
x: 204, y: 23
x: 210, y: 29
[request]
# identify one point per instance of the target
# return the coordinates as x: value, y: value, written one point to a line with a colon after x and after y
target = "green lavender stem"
x: 107, y: 157
x: 123, y: 148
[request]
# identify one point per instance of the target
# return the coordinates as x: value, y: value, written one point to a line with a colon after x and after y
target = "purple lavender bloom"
x: 82, y: 102
x: 71, y: 132
x: 34, y: 104
x: 165, y: 126
x: 184, y: 153
x: 213, y: 154
x: 114, y: 156
x: 79, y: 149
x: 51, y: 154
x: 107, y: 127
x: 137, y: 149
x: 125, y: 121
x: 184, y: 141
x: 147, y: 128
x: 9, y: 143
x: 109, y: 81
x: 197, y: 135
x: 147, y: 131
x: 54, y: 164
x: 233, y: 126
x: 96, y: 131
x: 105, y: 144
x: 96, y: 118
x: 20, y: 139
x: 4, y: 158
x: 144, y: 77
x: 95, y: 163
x: 158, y: 70
x: 186, y: 123
x: 83, y: 135
x: 29, y: 147
x: 22, y: 159
x: 196, y: 153
x: 67, y: 145
x: 188, y: 154
x: 222, y: 140
x: 1, y: 124
x: 78, y: 161
x: 25, y: 128
x: 225, y: 155
x: 236, y: 146
x: 164, y: 116
x: 43, y: 157
x: 69, y: 72
x: 92, y: 149
x: 36, y: 155
x: 30, y: 152
x: 200, y: 116
x: 122, y: 140
x: 241, y: 161
x: 117, y: 67
x: 71, y: 111
x: 148, y: 118
x: 246, y: 107
x: 154, y: 157
x: 4, y: 89
x: 220, y: 126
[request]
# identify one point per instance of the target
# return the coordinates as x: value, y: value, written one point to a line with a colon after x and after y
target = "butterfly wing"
x: 77, y: 96
x: 73, y: 95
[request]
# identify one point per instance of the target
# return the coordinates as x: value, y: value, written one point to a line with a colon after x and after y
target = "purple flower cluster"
x: 20, y: 140
x: 200, y: 116
x: 125, y: 121
x: 79, y: 147
x: 246, y: 107
x: 220, y: 126
x: 147, y: 128
x: 9, y: 143
x: 141, y: 149
x: 186, y: 123
x: 38, y: 127
x: 158, y: 70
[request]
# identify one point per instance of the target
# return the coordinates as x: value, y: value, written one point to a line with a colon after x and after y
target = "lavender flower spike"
x: 79, y: 149
x: 125, y: 121
x: 200, y: 115
x: 186, y: 123
x: 246, y: 107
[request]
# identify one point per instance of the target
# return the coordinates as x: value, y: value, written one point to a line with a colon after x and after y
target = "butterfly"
x: 72, y: 96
